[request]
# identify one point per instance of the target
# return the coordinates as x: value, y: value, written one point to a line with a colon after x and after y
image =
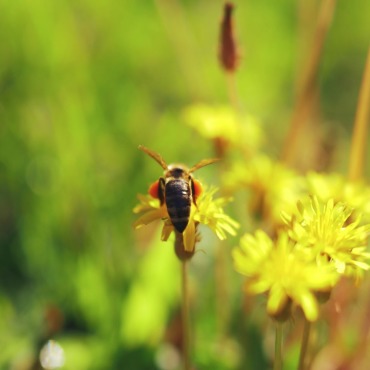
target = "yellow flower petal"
x: 308, y: 303
x: 277, y: 299
x: 280, y: 268
x: 166, y: 231
x: 147, y: 218
x: 189, y: 236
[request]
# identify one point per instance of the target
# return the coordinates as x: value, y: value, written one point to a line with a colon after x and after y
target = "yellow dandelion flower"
x: 278, y: 269
x: 273, y: 187
x: 329, y: 233
x: 215, y: 122
x: 335, y: 186
x: 207, y: 211
x: 210, y: 212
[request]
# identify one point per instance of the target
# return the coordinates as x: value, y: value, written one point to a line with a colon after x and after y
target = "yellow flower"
x: 273, y: 187
x: 151, y: 208
x: 215, y: 122
x: 329, y: 233
x: 208, y: 211
x: 334, y: 186
x: 279, y: 269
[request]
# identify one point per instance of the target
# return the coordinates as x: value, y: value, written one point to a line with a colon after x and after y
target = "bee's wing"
x: 155, y: 156
x: 202, y: 163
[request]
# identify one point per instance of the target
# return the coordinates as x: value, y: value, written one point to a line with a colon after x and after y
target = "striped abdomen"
x: 178, y: 202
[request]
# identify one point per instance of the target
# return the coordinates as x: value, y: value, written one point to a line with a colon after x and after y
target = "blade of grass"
x: 360, y: 130
x: 306, y: 96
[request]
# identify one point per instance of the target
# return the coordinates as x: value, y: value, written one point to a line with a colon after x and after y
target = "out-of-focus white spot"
x: 167, y: 357
x: 52, y: 355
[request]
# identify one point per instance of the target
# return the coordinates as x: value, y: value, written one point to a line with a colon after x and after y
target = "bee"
x: 177, y: 189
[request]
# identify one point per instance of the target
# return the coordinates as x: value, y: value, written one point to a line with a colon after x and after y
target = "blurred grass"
x: 82, y: 83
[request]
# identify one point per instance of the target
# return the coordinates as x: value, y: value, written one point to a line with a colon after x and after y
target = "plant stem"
x: 185, y: 316
x: 359, y: 137
x: 278, y: 363
x: 232, y: 91
x: 306, y: 96
x: 222, y: 296
x: 304, y: 345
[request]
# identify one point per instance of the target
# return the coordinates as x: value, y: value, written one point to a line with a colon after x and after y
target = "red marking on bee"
x: 198, y: 189
x: 154, y: 189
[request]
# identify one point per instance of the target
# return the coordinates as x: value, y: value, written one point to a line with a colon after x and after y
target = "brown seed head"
x: 228, y: 52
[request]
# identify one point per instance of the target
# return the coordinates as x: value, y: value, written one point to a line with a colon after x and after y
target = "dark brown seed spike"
x: 228, y: 51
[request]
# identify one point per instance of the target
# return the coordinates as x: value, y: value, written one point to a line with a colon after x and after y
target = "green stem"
x: 222, y: 296
x: 185, y: 316
x: 304, y: 345
x: 278, y: 363
x: 232, y: 91
x: 359, y: 138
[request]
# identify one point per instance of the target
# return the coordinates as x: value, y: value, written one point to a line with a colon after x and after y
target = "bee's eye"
x: 198, y: 188
x: 154, y: 189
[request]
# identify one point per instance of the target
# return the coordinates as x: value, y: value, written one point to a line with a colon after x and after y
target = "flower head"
x: 334, y: 186
x: 329, y: 233
x: 273, y: 187
x: 207, y: 211
x: 279, y: 269
x: 221, y: 123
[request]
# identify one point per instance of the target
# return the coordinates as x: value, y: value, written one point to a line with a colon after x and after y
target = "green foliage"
x: 82, y: 83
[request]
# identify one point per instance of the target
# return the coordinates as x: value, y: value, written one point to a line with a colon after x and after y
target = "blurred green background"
x: 82, y: 83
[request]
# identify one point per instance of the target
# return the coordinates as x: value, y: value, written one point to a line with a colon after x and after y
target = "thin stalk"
x: 232, y: 91
x: 278, y: 363
x: 222, y: 294
x: 306, y: 96
x: 360, y: 130
x: 304, y: 345
x: 185, y: 316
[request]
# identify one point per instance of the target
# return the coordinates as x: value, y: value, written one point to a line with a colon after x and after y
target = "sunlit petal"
x: 189, y: 237
x: 147, y: 218
x: 166, y: 231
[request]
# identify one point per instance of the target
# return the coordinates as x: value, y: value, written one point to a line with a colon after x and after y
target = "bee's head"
x: 176, y: 171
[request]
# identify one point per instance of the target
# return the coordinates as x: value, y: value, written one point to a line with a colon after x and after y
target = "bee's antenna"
x: 202, y: 163
x: 155, y: 156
